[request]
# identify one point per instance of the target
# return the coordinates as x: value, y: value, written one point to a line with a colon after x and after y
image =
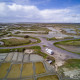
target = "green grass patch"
x: 44, y: 46
x: 4, y: 50
x: 15, y: 42
x: 68, y: 37
x: 50, y: 77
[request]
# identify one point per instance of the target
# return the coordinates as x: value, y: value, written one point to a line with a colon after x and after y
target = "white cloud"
x: 30, y: 13
x: 2, y: 8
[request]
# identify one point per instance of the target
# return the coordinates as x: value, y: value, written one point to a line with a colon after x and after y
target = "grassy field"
x: 34, y: 28
x: 72, y: 64
x: 68, y: 45
x: 27, y: 69
x: 15, y: 71
x: 38, y: 40
x: 15, y: 42
x: 75, y: 42
x: 4, y: 69
x: 53, y: 38
x: 46, y: 32
x: 39, y: 68
x: 50, y: 77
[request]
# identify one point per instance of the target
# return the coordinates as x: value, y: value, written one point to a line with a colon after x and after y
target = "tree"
x: 26, y: 36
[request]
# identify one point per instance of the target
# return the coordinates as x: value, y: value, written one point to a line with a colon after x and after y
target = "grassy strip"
x: 18, y: 49
x: 34, y: 28
x: 4, y: 50
x: 11, y: 35
x: 53, y: 38
x: 68, y: 37
x: 46, y: 32
x: 75, y: 42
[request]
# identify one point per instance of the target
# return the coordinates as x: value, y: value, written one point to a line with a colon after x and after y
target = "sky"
x: 51, y: 11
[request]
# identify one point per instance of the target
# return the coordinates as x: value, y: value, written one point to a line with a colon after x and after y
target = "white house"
x: 49, y: 51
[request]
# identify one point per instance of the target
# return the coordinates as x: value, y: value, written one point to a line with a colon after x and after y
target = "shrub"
x: 26, y: 36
